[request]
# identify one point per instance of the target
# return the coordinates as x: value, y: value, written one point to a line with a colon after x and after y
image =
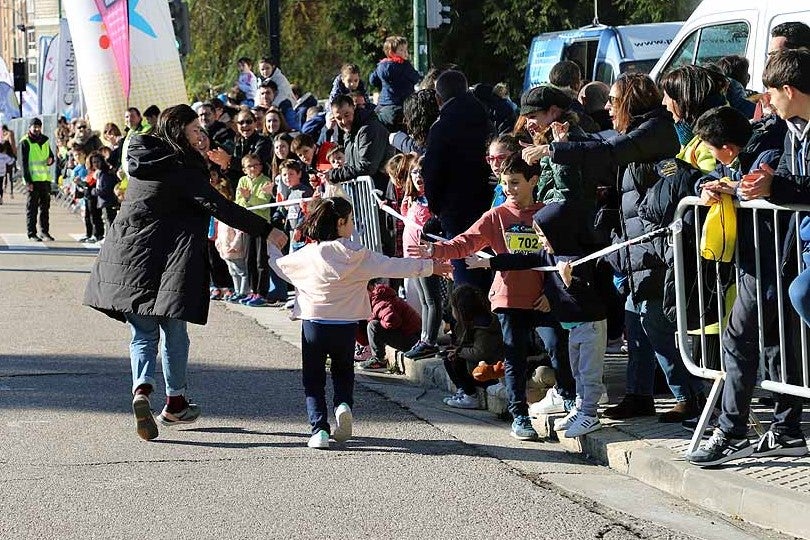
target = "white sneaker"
x: 343, y: 419
x: 463, y: 401
x: 582, y: 425
x: 553, y: 403
x: 319, y: 440
x: 458, y: 394
x: 562, y: 424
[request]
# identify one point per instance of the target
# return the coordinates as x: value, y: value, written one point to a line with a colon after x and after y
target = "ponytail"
x: 322, y: 223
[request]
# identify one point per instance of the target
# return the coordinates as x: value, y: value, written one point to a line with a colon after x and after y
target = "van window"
x: 583, y: 54
x: 710, y: 44
x: 604, y: 73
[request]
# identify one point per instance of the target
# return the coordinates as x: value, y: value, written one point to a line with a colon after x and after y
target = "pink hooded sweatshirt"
x: 331, y: 277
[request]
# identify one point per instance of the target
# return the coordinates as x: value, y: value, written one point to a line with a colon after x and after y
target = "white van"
x: 602, y: 52
x: 718, y: 28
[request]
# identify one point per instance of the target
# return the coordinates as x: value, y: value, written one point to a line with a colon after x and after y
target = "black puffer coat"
x: 154, y: 260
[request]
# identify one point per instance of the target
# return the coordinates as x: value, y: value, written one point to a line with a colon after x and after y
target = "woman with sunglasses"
x: 248, y: 140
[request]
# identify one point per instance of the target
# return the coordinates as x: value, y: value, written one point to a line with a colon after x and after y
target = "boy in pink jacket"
x: 516, y: 296
x: 330, y: 276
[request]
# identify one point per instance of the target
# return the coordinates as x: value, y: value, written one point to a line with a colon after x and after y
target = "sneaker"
x: 463, y: 401
x: 486, y: 372
x: 34, y: 238
x: 603, y: 399
x: 582, y: 425
x: 421, y: 350
x: 343, y: 418
x: 361, y: 352
x: 778, y: 444
x: 247, y: 299
x: 719, y: 449
x: 631, y: 406
x: 145, y: 425
x: 562, y: 424
x: 236, y: 298
x: 458, y: 393
x: 553, y: 403
x: 189, y: 415
x: 373, y: 364
x: 256, y: 301
x: 319, y: 440
x: 690, y: 424
x: 289, y: 304
x: 216, y: 294
x: 522, y: 429
x: 47, y: 236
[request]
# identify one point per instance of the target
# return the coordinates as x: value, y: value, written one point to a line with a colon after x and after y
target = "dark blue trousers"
x: 317, y: 341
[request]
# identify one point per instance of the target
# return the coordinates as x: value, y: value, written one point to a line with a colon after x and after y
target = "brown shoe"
x: 145, y: 425
x: 683, y: 410
x: 631, y: 406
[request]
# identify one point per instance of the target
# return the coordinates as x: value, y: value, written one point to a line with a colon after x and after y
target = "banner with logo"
x: 68, y: 90
x: 49, y: 72
x: 156, y: 77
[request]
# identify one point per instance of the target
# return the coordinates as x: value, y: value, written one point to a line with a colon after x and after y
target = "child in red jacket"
x: 393, y: 322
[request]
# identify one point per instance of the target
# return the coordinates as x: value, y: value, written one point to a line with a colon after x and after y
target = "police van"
x: 719, y: 28
x: 602, y: 52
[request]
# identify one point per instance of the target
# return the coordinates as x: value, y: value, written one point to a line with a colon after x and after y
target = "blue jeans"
x: 317, y: 341
x: 640, y: 355
x: 146, y: 333
x: 660, y: 332
x: 800, y: 295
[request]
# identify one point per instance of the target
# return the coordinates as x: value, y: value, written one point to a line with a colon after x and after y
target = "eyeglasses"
x: 612, y: 100
x: 81, y: 127
x: 245, y: 122
x: 497, y: 158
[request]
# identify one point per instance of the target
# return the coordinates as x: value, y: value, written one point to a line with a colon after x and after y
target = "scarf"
x: 684, y: 132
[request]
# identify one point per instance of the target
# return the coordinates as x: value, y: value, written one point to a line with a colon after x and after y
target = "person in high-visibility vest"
x: 37, y: 157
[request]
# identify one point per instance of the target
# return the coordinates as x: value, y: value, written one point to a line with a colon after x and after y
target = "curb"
x: 715, y: 490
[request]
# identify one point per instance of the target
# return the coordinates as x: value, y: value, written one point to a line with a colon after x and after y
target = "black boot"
x: 631, y: 406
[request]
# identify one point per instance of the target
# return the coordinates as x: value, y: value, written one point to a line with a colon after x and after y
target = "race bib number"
x: 522, y: 242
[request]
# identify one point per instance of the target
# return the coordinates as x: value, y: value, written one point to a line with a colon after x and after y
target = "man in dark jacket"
x: 455, y: 171
x: 218, y: 132
x: 37, y: 156
x: 366, y: 142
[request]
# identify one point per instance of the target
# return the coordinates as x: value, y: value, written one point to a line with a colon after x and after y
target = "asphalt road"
x: 71, y: 465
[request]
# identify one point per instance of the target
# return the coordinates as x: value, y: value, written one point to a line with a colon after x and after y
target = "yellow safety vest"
x: 38, y: 155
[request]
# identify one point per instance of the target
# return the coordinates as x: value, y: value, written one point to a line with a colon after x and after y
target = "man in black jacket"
x: 366, y: 143
x: 455, y: 171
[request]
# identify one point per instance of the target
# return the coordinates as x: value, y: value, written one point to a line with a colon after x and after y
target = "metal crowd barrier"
x: 366, y: 212
x: 699, y: 368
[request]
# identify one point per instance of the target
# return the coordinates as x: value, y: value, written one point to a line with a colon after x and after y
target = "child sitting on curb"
x: 479, y: 340
x: 393, y: 322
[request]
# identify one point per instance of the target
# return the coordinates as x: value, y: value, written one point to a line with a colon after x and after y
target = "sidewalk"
x: 773, y: 493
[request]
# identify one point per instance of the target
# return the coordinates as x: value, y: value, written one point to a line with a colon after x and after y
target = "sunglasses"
x: 245, y: 122
x: 497, y: 158
x: 612, y: 100
x: 81, y: 127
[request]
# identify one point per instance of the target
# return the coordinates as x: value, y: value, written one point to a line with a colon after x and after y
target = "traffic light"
x: 178, y: 9
x: 436, y: 14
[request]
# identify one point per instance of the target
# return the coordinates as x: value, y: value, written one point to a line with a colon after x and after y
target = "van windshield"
x: 638, y: 66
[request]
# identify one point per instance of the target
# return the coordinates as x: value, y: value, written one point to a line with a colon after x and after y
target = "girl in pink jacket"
x: 429, y: 289
x: 330, y: 276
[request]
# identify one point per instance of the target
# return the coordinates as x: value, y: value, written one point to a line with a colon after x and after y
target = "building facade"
x: 22, y: 23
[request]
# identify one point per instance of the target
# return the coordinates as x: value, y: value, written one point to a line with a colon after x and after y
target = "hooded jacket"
x: 455, y: 171
x: 585, y: 298
x: 504, y: 229
x: 393, y: 312
x: 154, y: 260
x: 331, y: 277
x: 482, y: 341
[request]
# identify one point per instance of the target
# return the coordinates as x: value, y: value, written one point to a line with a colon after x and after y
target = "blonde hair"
x: 392, y: 43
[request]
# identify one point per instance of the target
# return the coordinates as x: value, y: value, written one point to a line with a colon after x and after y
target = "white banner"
x: 68, y: 91
x: 48, y: 87
x: 5, y: 74
x: 156, y: 74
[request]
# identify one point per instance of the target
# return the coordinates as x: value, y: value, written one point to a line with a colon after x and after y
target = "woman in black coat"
x: 152, y: 270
